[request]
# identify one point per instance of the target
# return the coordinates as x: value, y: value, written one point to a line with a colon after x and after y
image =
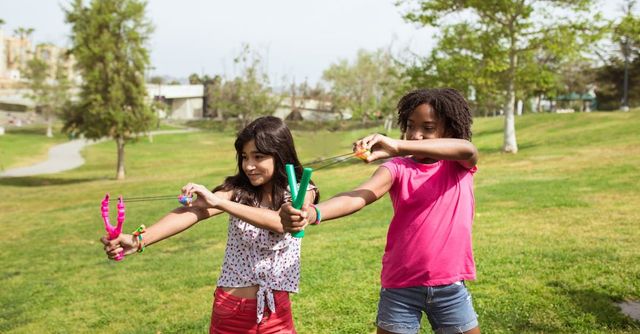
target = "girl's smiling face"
x: 258, y: 167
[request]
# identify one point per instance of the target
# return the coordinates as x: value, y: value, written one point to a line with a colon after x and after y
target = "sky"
x: 298, y: 39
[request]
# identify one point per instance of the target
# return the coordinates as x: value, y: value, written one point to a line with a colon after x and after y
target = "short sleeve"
x: 287, y: 193
x: 473, y: 170
x: 393, y: 167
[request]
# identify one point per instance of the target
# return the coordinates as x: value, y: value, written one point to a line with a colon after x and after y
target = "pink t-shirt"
x: 429, y: 238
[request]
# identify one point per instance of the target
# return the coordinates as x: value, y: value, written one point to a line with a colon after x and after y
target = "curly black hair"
x: 448, y: 104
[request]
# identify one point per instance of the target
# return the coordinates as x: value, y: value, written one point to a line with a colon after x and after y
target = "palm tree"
x: 23, y: 33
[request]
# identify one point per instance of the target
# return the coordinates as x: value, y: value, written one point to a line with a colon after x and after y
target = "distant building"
x: 182, y: 101
x: 56, y: 56
x: 14, y: 54
x: 16, y: 51
x: 310, y: 110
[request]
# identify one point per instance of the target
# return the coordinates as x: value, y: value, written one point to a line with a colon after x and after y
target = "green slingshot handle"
x: 291, y: 176
x: 298, y: 195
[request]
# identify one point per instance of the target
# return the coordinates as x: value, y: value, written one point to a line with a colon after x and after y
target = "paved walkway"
x: 67, y: 156
x: 631, y: 309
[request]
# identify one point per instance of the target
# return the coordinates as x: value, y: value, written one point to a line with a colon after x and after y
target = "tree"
x: 246, y: 96
x: 621, y: 63
x: 627, y: 35
x: 50, y: 94
x: 194, y: 79
x: 156, y: 80
x: 23, y: 33
x: 511, y: 30
x: 460, y: 61
x: 109, y: 38
x: 368, y: 86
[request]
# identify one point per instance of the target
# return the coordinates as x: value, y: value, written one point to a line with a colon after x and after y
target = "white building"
x: 311, y: 110
x: 183, y: 101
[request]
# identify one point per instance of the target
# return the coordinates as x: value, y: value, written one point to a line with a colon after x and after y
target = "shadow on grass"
x: 600, y: 305
x: 33, y: 181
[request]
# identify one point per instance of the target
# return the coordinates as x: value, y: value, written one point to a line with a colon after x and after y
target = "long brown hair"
x: 272, y: 137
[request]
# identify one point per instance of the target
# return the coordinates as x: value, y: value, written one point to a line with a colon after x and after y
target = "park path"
x: 67, y: 156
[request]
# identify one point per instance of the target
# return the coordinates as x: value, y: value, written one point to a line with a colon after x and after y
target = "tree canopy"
x: 500, y: 48
x: 369, y: 86
x: 109, y: 44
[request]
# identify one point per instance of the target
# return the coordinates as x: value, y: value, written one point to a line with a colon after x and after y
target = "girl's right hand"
x: 380, y: 146
x: 205, y: 198
x: 124, y: 242
x: 292, y: 219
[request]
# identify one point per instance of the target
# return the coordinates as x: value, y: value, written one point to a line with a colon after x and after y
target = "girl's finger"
x: 109, y: 248
x: 116, y: 251
x: 299, y: 224
x: 296, y: 229
x: 373, y: 141
x: 290, y: 210
x: 190, y: 190
x: 295, y: 218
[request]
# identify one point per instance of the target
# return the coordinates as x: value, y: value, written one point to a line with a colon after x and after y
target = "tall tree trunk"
x: 120, y: 173
x: 49, y: 125
x: 510, y: 144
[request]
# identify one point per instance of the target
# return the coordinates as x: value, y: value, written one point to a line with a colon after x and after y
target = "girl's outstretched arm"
x: 340, y: 205
x: 258, y: 217
x: 460, y: 150
x: 173, y: 223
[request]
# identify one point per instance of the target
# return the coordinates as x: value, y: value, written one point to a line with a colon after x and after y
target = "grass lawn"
x: 556, y: 236
x: 27, y: 145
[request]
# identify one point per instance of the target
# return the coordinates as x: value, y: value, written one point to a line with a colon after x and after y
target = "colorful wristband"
x: 138, y: 234
x: 318, y: 215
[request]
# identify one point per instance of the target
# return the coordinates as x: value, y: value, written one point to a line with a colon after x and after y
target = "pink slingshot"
x: 113, y: 231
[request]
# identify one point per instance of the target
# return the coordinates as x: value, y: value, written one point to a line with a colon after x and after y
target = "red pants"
x: 236, y: 315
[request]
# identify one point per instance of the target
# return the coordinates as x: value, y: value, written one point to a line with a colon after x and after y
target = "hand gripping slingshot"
x: 298, y: 194
x: 113, y: 231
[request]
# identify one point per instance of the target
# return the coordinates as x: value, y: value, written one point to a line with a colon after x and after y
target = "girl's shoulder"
x: 397, y: 161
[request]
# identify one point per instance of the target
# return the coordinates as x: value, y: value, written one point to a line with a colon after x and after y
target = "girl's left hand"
x: 205, y: 198
x: 380, y: 146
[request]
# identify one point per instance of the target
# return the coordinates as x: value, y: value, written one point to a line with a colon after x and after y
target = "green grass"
x: 555, y: 237
x: 25, y: 146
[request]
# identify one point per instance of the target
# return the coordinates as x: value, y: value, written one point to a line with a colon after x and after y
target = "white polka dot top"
x: 255, y: 256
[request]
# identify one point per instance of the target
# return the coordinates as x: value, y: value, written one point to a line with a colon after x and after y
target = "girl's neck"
x: 426, y: 161
x: 266, y: 191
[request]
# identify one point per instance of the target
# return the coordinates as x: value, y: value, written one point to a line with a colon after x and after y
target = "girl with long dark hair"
x: 261, y: 263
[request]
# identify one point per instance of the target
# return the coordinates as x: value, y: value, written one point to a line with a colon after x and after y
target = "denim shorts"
x: 448, y: 308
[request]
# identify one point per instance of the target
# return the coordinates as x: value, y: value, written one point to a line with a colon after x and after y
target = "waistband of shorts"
x: 278, y: 296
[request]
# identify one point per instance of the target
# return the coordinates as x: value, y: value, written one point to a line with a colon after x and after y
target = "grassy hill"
x: 555, y: 237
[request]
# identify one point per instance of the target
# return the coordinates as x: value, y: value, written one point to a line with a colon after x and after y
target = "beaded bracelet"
x: 318, y: 215
x: 138, y: 234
